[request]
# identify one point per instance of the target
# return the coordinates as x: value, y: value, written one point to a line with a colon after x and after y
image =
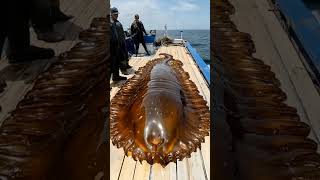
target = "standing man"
x: 137, y: 30
x: 114, y: 48
x: 122, y: 53
x: 16, y: 16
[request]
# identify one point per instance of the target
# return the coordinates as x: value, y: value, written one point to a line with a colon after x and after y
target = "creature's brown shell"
x: 192, y: 128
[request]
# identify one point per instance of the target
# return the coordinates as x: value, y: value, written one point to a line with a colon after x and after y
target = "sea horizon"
x: 199, y: 39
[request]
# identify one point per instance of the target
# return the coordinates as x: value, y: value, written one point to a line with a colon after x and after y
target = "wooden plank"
x: 159, y: 173
x: 128, y: 169
x: 142, y: 171
x: 116, y: 161
x: 205, y: 154
x: 183, y: 170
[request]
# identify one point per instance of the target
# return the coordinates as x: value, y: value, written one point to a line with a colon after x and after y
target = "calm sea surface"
x: 199, y: 39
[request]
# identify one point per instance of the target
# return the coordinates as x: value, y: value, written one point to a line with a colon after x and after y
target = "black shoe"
x: 29, y: 54
x: 125, y: 72
x: 119, y: 78
x: 59, y: 16
x: 50, y: 36
x: 128, y: 66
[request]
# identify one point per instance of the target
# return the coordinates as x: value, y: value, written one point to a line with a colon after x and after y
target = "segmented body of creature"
x: 158, y: 115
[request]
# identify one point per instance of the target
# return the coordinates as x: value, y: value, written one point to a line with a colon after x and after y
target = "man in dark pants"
x: 137, y: 30
x: 122, y: 55
x: 16, y: 29
x: 43, y: 21
x: 57, y: 14
x: 114, y: 51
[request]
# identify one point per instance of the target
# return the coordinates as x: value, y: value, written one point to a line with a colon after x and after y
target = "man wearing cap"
x: 122, y: 55
x: 137, y: 30
x: 115, y: 64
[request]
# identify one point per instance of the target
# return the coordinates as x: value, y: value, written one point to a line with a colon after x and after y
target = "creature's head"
x: 163, y: 114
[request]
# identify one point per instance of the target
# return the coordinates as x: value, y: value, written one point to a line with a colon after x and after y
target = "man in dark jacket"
x: 122, y: 55
x: 114, y: 50
x: 137, y: 30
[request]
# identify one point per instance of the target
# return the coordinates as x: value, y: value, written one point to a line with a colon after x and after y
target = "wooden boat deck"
x: 195, y: 168
x: 20, y: 78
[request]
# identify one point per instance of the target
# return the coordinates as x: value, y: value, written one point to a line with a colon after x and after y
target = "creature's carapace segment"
x: 158, y: 115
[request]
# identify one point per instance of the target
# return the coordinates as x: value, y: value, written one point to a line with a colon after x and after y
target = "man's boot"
x: 119, y: 78
x: 49, y: 36
x: 29, y: 54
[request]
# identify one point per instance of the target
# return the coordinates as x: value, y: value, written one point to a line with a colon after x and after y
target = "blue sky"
x: 177, y: 14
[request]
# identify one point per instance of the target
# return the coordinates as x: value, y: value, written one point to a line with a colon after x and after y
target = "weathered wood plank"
x: 128, y: 169
x: 142, y: 171
x: 116, y: 161
x: 159, y: 173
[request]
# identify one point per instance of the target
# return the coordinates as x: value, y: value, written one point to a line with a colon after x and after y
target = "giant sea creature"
x: 158, y: 115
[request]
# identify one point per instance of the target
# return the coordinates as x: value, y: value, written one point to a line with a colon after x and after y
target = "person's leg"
x: 41, y: 15
x: 3, y: 34
x: 18, y: 25
x: 19, y: 36
x: 126, y: 57
x: 55, y: 3
x: 115, y: 64
x: 145, y: 47
x: 57, y: 14
x: 2, y: 39
x: 115, y: 70
x: 42, y: 21
x: 136, y: 45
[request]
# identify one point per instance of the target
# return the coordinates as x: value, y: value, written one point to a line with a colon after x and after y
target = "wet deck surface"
x: 20, y: 78
x: 275, y: 49
x: 195, y: 168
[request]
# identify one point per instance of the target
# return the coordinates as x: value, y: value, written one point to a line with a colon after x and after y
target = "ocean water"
x: 314, y: 6
x: 199, y: 39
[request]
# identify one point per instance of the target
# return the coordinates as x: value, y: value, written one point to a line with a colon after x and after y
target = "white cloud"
x: 154, y: 13
x: 185, y: 6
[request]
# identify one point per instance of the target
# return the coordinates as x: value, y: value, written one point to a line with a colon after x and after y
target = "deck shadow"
x: 26, y: 72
